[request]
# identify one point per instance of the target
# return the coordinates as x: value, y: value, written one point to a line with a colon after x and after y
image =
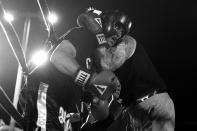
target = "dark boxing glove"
x: 101, y: 84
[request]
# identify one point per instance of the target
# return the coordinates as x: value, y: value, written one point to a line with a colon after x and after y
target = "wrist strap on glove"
x: 83, y: 76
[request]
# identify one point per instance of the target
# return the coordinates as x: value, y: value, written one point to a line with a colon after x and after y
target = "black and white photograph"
x: 98, y: 65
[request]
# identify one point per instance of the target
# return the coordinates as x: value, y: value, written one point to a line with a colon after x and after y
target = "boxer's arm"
x: 63, y: 58
x: 130, y: 43
x: 102, y: 84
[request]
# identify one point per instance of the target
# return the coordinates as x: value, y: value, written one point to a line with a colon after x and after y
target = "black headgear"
x: 114, y: 21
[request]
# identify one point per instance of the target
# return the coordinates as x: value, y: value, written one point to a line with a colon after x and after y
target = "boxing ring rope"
x: 20, y: 72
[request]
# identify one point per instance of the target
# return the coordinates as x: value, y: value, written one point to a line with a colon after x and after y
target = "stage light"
x: 52, y: 18
x: 39, y: 57
x: 8, y: 16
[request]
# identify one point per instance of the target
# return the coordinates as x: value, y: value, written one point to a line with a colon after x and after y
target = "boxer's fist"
x: 103, y: 84
x: 99, y: 109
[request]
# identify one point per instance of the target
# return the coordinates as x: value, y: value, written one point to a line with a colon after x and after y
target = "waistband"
x: 147, y: 96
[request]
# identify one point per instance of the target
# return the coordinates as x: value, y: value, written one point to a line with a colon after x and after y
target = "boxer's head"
x: 115, y: 24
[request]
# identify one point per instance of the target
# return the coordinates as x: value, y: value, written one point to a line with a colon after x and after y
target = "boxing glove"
x: 101, y: 84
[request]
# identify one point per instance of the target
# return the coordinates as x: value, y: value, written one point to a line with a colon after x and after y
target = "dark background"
x: 166, y: 28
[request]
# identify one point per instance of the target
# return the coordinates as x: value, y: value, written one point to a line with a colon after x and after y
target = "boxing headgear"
x: 91, y: 20
x: 115, y: 21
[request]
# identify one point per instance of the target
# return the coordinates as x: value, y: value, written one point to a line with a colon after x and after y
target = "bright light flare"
x: 39, y: 57
x: 52, y: 18
x: 8, y: 16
